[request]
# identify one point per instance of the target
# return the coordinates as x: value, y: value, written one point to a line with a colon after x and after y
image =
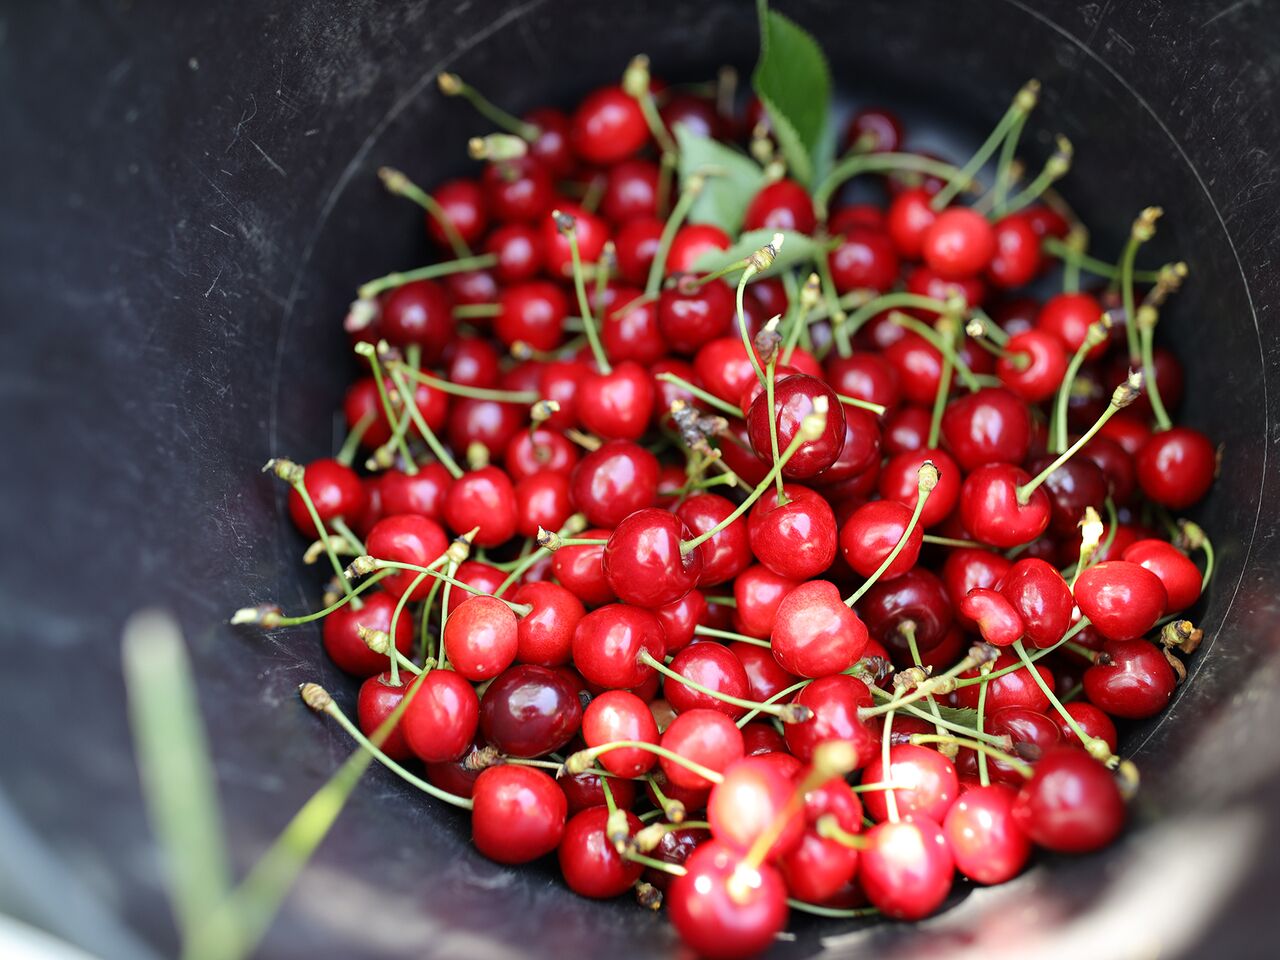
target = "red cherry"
x: 529, y: 711
x: 1046, y: 221
x: 899, y: 480
x: 971, y: 290
x: 797, y: 539
x: 918, y: 597
x: 690, y: 320
x: 620, y: 715
x: 1068, y: 317
x: 607, y: 645
x: 584, y: 790
x: 989, y: 426
x: 754, y: 794
x: 616, y: 480
x: 990, y: 511
x: 1077, y: 484
x: 635, y: 244
x: 482, y: 498
x: 617, y: 405
x: 727, y: 553
x: 545, y: 635
x: 1117, y: 466
x: 440, y: 721
x: 608, y: 126
x: 765, y: 677
x: 422, y: 493
x: 1093, y: 721
x: 997, y: 620
x: 519, y: 814
x: 1071, y: 804
x: 793, y: 400
x: 958, y: 244
x: 871, y: 534
x: 861, y: 450
x: 559, y: 381
x: 1181, y: 577
x: 552, y: 143
x: 532, y: 313
x: 1017, y: 258
x: 781, y: 205
x: 918, y: 365
x: 1034, y: 365
x: 1122, y: 599
x: 377, y: 700
x: 714, y: 667
x: 691, y: 242
x: 591, y: 232
x: 1031, y: 732
x: 926, y: 783
x: 1176, y: 467
x: 342, y: 641
x: 1013, y: 689
x: 966, y: 568
x: 482, y: 577
x: 721, y: 912
x: 987, y: 845
x: 518, y: 247
x: 865, y: 376
x: 906, y: 868
x: 816, y: 634
x: 591, y: 865
x: 1042, y: 599
x: 855, y: 216
x: 758, y: 592
x: 463, y: 204
x: 910, y: 217
x: 335, y: 491
x: 631, y: 191
x: 486, y: 422
x: 480, y: 638
x: 581, y: 569
x: 864, y: 260
x: 363, y: 399
x: 835, y: 702
x: 518, y: 189
x: 406, y: 538
x: 873, y: 130
x: 629, y: 328
x: 706, y: 737
x: 644, y: 562
x: 818, y: 868
x: 542, y: 500
x: 1137, y: 682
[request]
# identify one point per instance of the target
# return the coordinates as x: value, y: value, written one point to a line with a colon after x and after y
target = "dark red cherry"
x: 854, y: 216
x: 1137, y: 682
x: 818, y: 868
x: 873, y: 532
x: 997, y: 620
x: 631, y: 191
x: 765, y: 676
x: 552, y: 143
x: 1034, y: 365
x: 917, y: 597
x: 873, y: 130
x: 585, y: 790
x: 529, y: 711
x: 906, y: 868
x: 1013, y: 689
x: 1017, y: 258
x: 864, y: 260
x: 797, y: 539
x: 727, y: 553
x: 519, y: 814
x: 717, y: 913
x: 907, y: 430
x: 486, y: 422
x: 363, y: 399
x: 958, y: 244
x: 589, y: 861
x: 1046, y: 221
x: 545, y: 635
x: 781, y: 205
x: 518, y: 189
x: 860, y: 452
x: 816, y: 634
x: 706, y: 737
x: 532, y: 313
x: 1092, y: 720
x: 1116, y: 465
x: 989, y: 426
x: 618, y: 479
x: 644, y: 561
x: 440, y: 721
x: 1122, y: 599
x: 607, y: 645
x: 1042, y: 598
x: 696, y: 113
x: 758, y: 591
x: 690, y: 320
x: 580, y: 568
x: 629, y: 329
x: 679, y: 619
x: 335, y: 491
x: 616, y: 405
x: 636, y: 243
x: 987, y: 845
x: 1176, y: 467
x: 1071, y: 804
x: 1031, y: 732
x: 865, y: 376
x: 991, y: 512
x: 793, y: 400
x: 919, y: 367
x: 1077, y: 484
x: 608, y: 126
x: 406, y: 538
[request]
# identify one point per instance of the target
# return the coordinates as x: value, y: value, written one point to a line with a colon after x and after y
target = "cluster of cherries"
x: 822, y: 556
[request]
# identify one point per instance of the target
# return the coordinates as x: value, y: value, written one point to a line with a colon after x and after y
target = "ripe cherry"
x: 377, y: 700
x: 755, y: 793
x: 987, y: 845
x: 440, y: 721
x: 1122, y: 599
x: 905, y: 869
x: 816, y: 634
x: 463, y: 205
x: 487, y: 422
x: 545, y: 635
x: 406, y: 538
x: 591, y: 232
x: 958, y: 244
x: 1034, y: 365
x: 910, y: 217
x: 1068, y: 317
x: 631, y: 191
x: 793, y: 400
x: 926, y: 783
x: 706, y: 737
x: 335, y: 491
x: 589, y: 861
x: 996, y: 619
x: 1077, y: 484
x: 1017, y: 258
x: 480, y: 638
x: 1176, y: 467
x: 681, y: 618
x: 691, y: 241
x: 900, y: 481
x: 480, y: 575
x: 529, y: 711
x: 967, y: 568
x: 342, y: 640
x: 519, y: 814
x: 608, y: 126
x: 989, y: 426
x: 1042, y: 599
x: 1071, y: 804
x: 422, y: 493
x: 727, y: 553
x: 723, y: 909
x: 781, y: 205
x: 607, y: 645
x: 689, y: 320
x: 865, y: 376
x: 552, y: 143
x: 532, y: 313
x: 629, y: 327
x: 620, y: 715
x: 1013, y: 689
x: 518, y: 247
x: 1092, y: 720
x: 618, y: 479
x: 873, y: 130
x: 818, y: 868
x: 580, y: 568
x: 518, y: 189
x: 864, y: 260
x: 835, y: 702
x: 714, y: 667
x: 873, y: 532
x: 796, y: 539
x: 644, y: 561
x: 758, y: 591
x: 617, y: 405
x: 585, y: 790
x: 482, y: 498
x: 1181, y: 577
x: 917, y: 598
x: 1136, y: 683
x: 991, y: 511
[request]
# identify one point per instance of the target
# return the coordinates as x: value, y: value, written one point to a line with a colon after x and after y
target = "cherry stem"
x: 519, y: 569
x: 1077, y: 240
x: 1146, y: 323
x: 835, y: 913
x: 427, y: 433
x: 657, y: 269
x: 270, y: 617
x: 751, y: 715
x: 1082, y: 261
x: 710, y: 399
x: 724, y: 602
x: 773, y: 423
x: 982, y: 749
x: 928, y: 479
x: 787, y: 713
x: 946, y: 330
x: 674, y: 869
x: 983, y: 777
x: 1196, y: 539
x: 1038, y: 655
x: 981, y: 326
x: 401, y: 186
x: 858, y: 164
x: 886, y: 769
x: 1097, y: 332
x: 818, y: 420
x: 445, y: 593
x: 702, y: 631
x: 926, y: 687
x: 1023, y: 102
x: 465, y: 311
x: 1097, y: 747
x: 797, y: 313
x: 393, y: 653
x: 298, y: 482
x: 370, y: 353
x: 908, y: 630
x: 581, y: 761
x: 336, y: 713
x: 943, y: 722
x: 1055, y: 168
x: 568, y: 226
x: 953, y: 542
x: 481, y: 261
x: 352, y: 443
x: 451, y: 85
x: 673, y: 810
x: 519, y: 609
x: 1124, y: 395
x: 1143, y: 230
x: 424, y: 626
x: 747, y: 274
x: 1004, y: 168
x: 876, y: 408
x: 461, y: 390
x: 935, y: 340
x: 835, y: 309
x: 828, y: 827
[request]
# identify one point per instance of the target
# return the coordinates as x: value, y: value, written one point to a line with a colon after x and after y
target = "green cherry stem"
x: 423, y: 428
x: 370, y: 353
x: 295, y: 475
x: 953, y: 542
x: 1038, y: 655
x: 983, y: 777
x: 946, y: 328
x: 1146, y: 322
x: 1096, y: 334
x: 459, y: 390
x: 352, y: 443
x: 787, y: 713
x: 786, y: 692
x: 269, y: 616
x: 519, y: 609
x: 1195, y: 539
x: 1096, y: 746
x: 583, y: 760
x: 926, y: 479
x: 1144, y: 228
x: 568, y: 228
x: 858, y: 164
x: 451, y: 85
x: 982, y: 749
x: 1055, y: 168
x: 372, y: 288
x: 908, y: 630
x: 400, y: 185
x: 719, y: 634
x: 1063, y: 251
x: 978, y: 654
x: 710, y: 399
x: 1004, y: 167
x: 875, y: 408
x: 886, y: 744
x: 1023, y: 103
x: 657, y: 270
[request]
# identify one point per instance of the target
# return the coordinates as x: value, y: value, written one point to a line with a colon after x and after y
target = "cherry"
x: 552, y: 143
x: 608, y: 126
x: 909, y: 219
x: 727, y: 553
x: 1128, y: 430
x: 454, y: 776
x: 816, y: 634
x: 518, y: 814
x: 422, y: 493
x: 996, y: 619
x: 1033, y: 366
x: 335, y: 491
x: 607, y: 644
x: 471, y: 287
x: 873, y: 130
x: 1071, y: 804
x: 463, y: 204
x: 1031, y: 733
x: 1013, y: 689
x: 529, y: 711
x: 590, y: 230
x: 679, y: 619
x: 518, y: 248
x: 636, y: 243
x: 644, y: 560
x: 377, y: 700
x: 714, y: 667
x: 518, y: 189
x: 723, y: 909
x: 918, y: 598
x: 690, y: 320
x: 781, y: 205
x: 793, y: 400
x: 620, y: 715
x: 1181, y: 577
x: 591, y: 865
x: 585, y: 790
x: 545, y: 635
x: 482, y: 498
x: 873, y: 532
x: 617, y: 405
x: 1017, y: 258
x: 481, y: 576
x: 861, y: 450
x: 489, y: 423
x: 706, y: 737
x: 907, y: 430
x: 1136, y: 683
x: 835, y: 702
x: 1092, y: 720
x: 1046, y: 221
x: 532, y: 313
x: 440, y: 721
x: 580, y: 568
x: 900, y: 481
x: 1077, y: 484
x: 631, y: 191
x: 629, y: 330
x: 986, y: 843
x: 406, y: 538
x: 989, y: 426
x: 818, y: 868
x: 758, y: 592
x: 1042, y: 599
x: 919, y: 367
x: 865, y: 376
x: 855, y: 216
x: 926, y: 783
x: 696, y: 113
x: 1176, y: 467
x: 765, y: 676
x: 542, y: 500
x: 1122, y: 599
x: 1117, y: 466
x: 559, y: 381
x: 991, y: 511
x: 864, y: 260
x: 797, y: 539
x: 905, y: 869
x: 618, y: 479
x: 1068, y: 316
x: 755, y: 793
x: 967, y: 568
x: 958, y: 244
x: 363, y: 399
x: 480, y: 638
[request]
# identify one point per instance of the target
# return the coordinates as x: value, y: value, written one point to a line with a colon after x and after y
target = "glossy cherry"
x: 441, y: 719
x: 906, y: 868
x: 1122, y: 599
x: 617, y: 405
x: 986, y: 843
x: 990, y: 509
x: 1017, y: 258
x: 835, y: 702
x: 1181, y: 577
x: 1136, y: 683
x: 989, y: 426
x: 519, y: 814
x: 714, y: 667
x: 996, y: 619
x: 781, y: 205
x: 607, y: 644
x: 544, y: 636
x: 721, y: 912
x: 1071, y: 804
x: 900, y: 480
x: 1042, y: 599
x: 926, y: 783
x: 706, y: 737
x: 335, y: 491
x: 621, y: 715
x: 864, y: 260
x: 580, y: 568
x: 958, y: 244
x: 816, y: 634
x: 377, y: 700
x: 917, y: 598
x: 589, y: 862
x: 727, y: 553
x: 758, y: 591
x: 618, y: 479
x: 1176, y: 467
x: 796, y: 539
x: 873, y: 532
x: 1034, y: 365
x: 407, y: 538
x: 644, y: 561
x: 345, y: 647
x: 608, y: 126
x: 793, y: 400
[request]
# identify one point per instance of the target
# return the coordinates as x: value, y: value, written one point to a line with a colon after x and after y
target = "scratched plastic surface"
x: 189, y: 201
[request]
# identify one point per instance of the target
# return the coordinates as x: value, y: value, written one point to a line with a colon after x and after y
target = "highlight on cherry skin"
x: 747, y: 548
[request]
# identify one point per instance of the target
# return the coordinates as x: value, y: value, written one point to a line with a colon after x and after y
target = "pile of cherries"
x: 749, y: 589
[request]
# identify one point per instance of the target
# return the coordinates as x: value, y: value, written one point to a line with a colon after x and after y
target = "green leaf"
x: 793, y: 82
x: 965, y: 716
x: 733, y: 179
x: 796, y: 248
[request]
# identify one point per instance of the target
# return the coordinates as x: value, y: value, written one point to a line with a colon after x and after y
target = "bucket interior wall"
x: 193, y: 203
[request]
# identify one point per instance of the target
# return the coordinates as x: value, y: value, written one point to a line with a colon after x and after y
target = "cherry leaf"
x: 793, y: 81
x: 796, y: 249
x: 732, y: 179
